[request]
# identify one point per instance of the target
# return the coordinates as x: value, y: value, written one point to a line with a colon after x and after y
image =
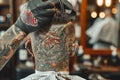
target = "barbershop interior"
x: 95, y: 53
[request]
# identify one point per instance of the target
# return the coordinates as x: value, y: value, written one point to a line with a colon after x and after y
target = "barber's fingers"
x: 44, y: 20
x: 48, y: 12
x: 40, y: 4
x: 47, y: 5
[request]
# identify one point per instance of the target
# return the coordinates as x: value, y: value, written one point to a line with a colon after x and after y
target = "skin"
x: 9, y: 43
x: 52, y: 48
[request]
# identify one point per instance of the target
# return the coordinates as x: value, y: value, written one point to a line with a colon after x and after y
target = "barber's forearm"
x: 9, y: 42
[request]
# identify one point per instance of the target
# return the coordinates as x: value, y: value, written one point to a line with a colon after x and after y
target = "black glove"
x: 65, y: 11
x: 38, y: 14
x: 35, y: 15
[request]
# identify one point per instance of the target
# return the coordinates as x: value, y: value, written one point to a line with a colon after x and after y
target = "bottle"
x: 96, y: 62
x: 113, y: 55
x: 87, y: 60
x: 23, y: 56
x: 80, y: 54
x: 8, y: 17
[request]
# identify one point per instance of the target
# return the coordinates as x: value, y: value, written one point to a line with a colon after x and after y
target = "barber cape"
x: 52, y: 75
x: 104, y: 30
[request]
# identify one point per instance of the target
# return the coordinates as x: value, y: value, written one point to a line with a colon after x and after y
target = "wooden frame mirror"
x: 83, y: 38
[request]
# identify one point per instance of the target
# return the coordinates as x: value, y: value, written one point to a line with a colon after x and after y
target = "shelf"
x: 4, y: 5
x: 4, y: 25
x: 107, y: 71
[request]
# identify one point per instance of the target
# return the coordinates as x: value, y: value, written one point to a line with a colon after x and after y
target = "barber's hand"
x: 38, y: 14
x: 35, y: 15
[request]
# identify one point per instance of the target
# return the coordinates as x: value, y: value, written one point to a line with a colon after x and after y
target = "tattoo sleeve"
x: 9, y: 42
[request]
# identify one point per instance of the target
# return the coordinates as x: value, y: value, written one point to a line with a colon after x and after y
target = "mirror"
x: 100, y: 23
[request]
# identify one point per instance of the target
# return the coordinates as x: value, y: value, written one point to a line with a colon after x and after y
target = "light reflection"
x: 108, y: 3
x: 114, y: 10
x: 99, y: 2
x: 102, y: 15
x: 93, y: 14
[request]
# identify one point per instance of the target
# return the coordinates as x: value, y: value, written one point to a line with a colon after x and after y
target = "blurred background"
x: 97, y: 32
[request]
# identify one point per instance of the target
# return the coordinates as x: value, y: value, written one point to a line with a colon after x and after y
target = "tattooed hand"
x: 9, y: 42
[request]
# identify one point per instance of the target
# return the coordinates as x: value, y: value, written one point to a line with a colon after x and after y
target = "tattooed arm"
x: 9, y: 42
x: 30, y: 19
x: 35, y: 15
